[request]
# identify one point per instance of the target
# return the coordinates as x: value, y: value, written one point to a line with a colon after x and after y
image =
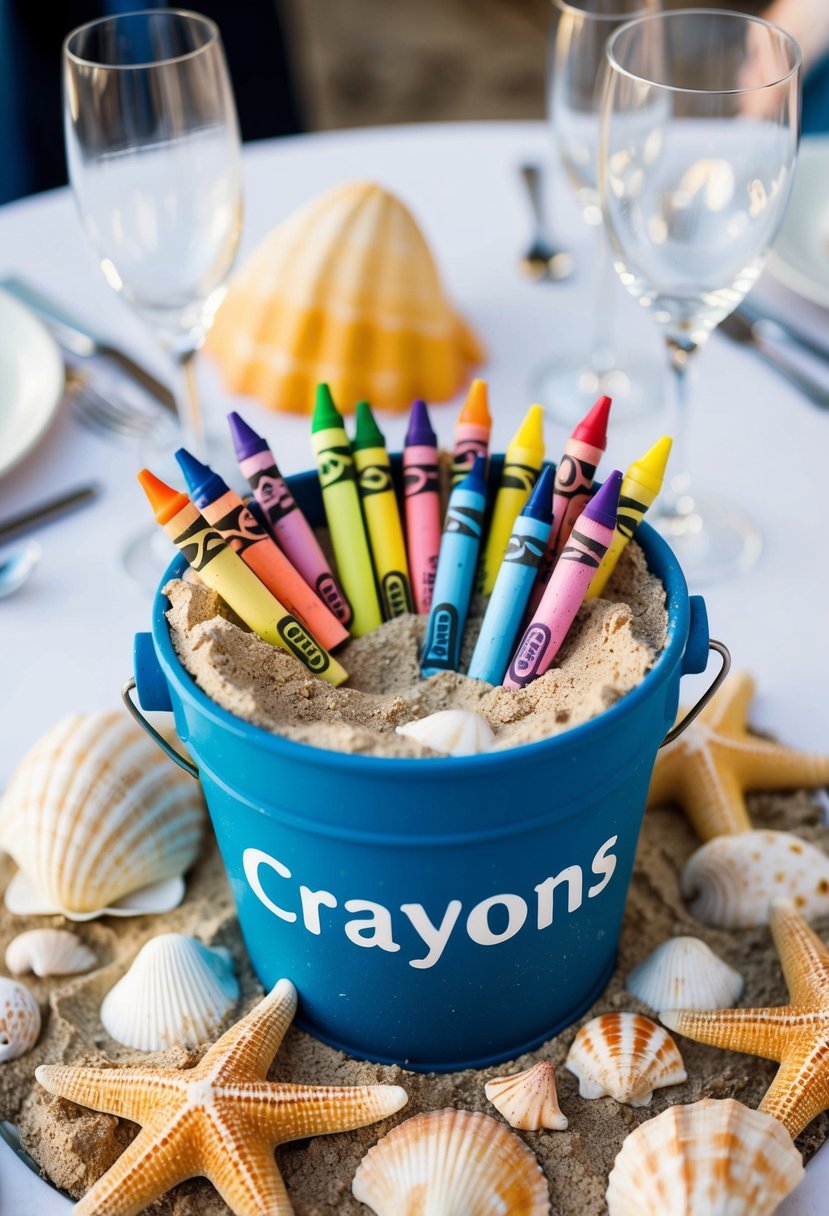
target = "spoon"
x: 542, y: 260
x: 16, y: 566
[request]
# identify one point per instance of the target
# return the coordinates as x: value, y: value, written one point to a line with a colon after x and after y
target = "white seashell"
x: 454, y: 732
x: 528, y: 1099
x: 731, y: 880
x: 685, y: 973
x: 19, y: 1020
x: 176, y: 993
x: 48, y: 952
x: 711, y: 1158
x: 451, y: 1163
x: 625, y: 1056
x: 99, y: 820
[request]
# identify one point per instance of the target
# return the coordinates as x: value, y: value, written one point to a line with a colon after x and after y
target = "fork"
x: 108, y: 414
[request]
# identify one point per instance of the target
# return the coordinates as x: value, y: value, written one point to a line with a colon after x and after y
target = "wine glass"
x: 152, y: 146
x: 699, y: 134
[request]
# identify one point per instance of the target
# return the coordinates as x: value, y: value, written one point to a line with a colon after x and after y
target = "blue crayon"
x: 514, y: 582
x: 455, y: 574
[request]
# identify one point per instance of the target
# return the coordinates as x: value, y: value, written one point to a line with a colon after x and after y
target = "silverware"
x: 15, y: 567
x: 108, y: 414
x: 778, y: 330
x: 45, y: 512
x: 542, y: 260
x: 739, y: 329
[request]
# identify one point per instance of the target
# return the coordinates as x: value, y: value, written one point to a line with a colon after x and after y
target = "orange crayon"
x: 472, y: 431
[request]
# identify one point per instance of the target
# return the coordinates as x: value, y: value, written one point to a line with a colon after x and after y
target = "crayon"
x: 472, y: 431
x: 421, y: 500
x: 285, y: 521
x: 222, y: 570
x: 224, y: 510
x: 380, y: 511
x: 456, y: 572
x: 586, y: 545
x: 522, y: 463
x: 502, y: 620
x: 341, y: 500
x: 642, y: 482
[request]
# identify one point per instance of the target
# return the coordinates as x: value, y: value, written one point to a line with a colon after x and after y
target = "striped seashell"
x: 453, y: 732
x: 99, y: 820
x: 528, y: 1099
x: 624, y: 1056
x: 19, y: 1020
x: 731, y: 881
x: 48, y: 952
x: 451, y: 1163
x: 711, y: 1158
x: 684, y: 973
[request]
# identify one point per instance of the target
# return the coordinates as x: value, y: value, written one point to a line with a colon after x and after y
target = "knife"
x: 45, y: 512
x: 739, y: 329
x: 766, y: 326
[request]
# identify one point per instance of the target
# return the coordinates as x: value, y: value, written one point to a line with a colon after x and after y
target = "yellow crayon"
x: 522, y: 464
x: 640, y: 486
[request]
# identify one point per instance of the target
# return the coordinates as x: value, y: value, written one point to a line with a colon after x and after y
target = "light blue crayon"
x: 455, y: 574
x: 515, y: 579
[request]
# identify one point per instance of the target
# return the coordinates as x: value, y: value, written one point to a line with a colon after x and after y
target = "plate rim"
x: 55, y: 372
x: 812, y: 147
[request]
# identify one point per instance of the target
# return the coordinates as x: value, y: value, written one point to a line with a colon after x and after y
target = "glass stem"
x: 677, y: 496
x: 190, y: 414
x: 602, y: 354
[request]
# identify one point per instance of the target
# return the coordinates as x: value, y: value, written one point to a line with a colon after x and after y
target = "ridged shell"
x: 624, y: 1056
x: 19, y: 1020
x: 451, y: 1163
x: 176, y: 993
x: 711, y: 1158
x: 48, y: 952
x: 99, y: 819
x: 731, y: 880
x: 345, y: 290
x: 528, y: 1099
x: 454, y: 732
x: 685, y: 973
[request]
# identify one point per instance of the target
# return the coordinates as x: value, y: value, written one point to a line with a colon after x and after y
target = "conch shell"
x: 48, y: 952
x: 528, y: 1099
x: 454, y: 732
x: 624, y: 1056
x: 684, y: 973
x: 19, y: 1020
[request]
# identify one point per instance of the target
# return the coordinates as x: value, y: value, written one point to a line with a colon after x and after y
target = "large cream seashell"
x: 731, y: 880
x: 685, y: 973
x: 48, y: 952
x: 451, y: 1163
x: 711, y: 1158
x: 454, y: 732
x: 19, y: 1019
x: 528, y: 1099
x: 624, y: 1056
x: 99, y: 820
x: 176, y: 993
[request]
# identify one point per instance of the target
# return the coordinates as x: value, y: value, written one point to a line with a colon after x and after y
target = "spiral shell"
x: 528, y: 1099
x: 48, y: 952
x: 625, y: 1056
x: 19, y: 1020
x: 454, y: 732
x: 685, y: 973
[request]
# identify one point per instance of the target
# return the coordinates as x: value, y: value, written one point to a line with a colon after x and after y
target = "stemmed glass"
x: 699, y: 133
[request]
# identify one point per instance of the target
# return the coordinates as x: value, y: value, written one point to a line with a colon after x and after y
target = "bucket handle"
x: 725, y: 654
x: 181, y: 761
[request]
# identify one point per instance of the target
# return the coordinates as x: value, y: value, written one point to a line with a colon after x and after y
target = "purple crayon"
x: 579, y: 559
x: 421, y: 493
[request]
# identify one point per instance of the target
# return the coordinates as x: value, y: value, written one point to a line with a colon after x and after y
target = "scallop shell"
x: 48, y: 952
x: 176, y: 993
x: 625, y: 1056
x: 685, y: 973
x: 454, y: 732
x: 731, y: 880
x: 99, y: 820
x: 345, y: 290
x: 451, y: 1163
x: 711, y: 1158
x: 19, y: 1020
x: 528, y: 1099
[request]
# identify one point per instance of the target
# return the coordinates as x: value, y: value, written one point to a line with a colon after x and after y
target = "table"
x: 67, y: 636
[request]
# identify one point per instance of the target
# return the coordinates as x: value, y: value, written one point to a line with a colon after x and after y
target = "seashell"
x: 528, y: 1099
x: 731, y: 880
x: 625, y: 1056
x: 454, y: 732
x: 685, y: 973
x: 345, y: 290
x: 19, y: 1020
x: 711, y: 1158
x: 99, y: 820
x: 48, y: 952
x: 451, y: 1163
x: 176, y: 993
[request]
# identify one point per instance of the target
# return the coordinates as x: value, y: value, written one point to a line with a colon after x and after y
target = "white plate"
x: 31, y: 381
x: 799, y: 258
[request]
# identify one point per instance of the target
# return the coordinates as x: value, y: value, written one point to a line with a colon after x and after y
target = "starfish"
x: 221, y: 1119
x: 796, y: 1034
x: 716, y: 759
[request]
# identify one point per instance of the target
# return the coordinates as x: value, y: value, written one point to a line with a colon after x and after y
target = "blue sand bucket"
x: 437, y: 914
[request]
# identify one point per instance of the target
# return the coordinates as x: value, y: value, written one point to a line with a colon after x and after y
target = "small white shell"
x: 528, y: 1099
x: 731, y: 881
x: 685, y: 973
x: 19, y: 1020
x: 624, y: 1056
x: 454, y: 732
x: 48, y: 952
x: 176, y: 993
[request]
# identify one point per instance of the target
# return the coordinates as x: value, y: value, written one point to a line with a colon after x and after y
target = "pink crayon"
x: 587, y: 544
x: 421, y: 493
x: 472, y: 431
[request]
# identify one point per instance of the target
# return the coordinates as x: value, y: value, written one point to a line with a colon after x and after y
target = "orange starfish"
x: 716, y: 759
x: 221, y: 1119
x: 796, y: 1034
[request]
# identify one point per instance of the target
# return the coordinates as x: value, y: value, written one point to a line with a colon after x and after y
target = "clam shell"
x: 624, y: 1056
x: 528, y: 1099
x: 712, y: 1158
x: 685, y: 973
x: 454, y: 732
x: 19, y: 1020
x: 731, y: 880
x: 48, y: 952
x: 99, y: 820
x: 451, y: 1163
x: 176, y: 993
